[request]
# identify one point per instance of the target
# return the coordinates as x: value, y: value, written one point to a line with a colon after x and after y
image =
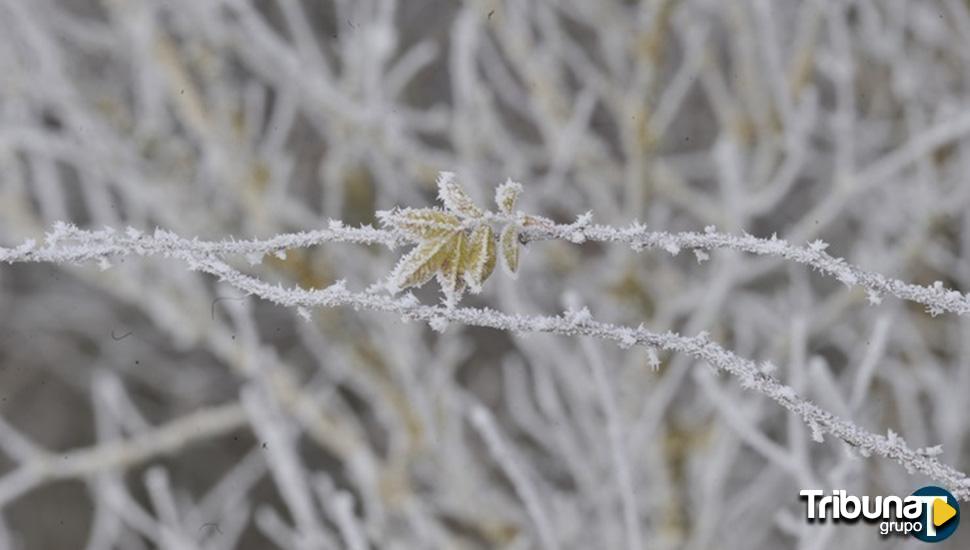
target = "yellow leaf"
x: 449, y: 275
x: 479, y: 260
x: 506, y: 196
x: 454, y: 197
x: 421, y: 263
x: 422, y: 224
x: 510, y: 248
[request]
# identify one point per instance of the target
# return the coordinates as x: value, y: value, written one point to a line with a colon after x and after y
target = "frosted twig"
x: 483, y: 422
x: 617, y: 440
x: 699, y: 347
x: 286, y: 467
x: 936, y: 298
x: 118, y: 454
x: 67, y: 243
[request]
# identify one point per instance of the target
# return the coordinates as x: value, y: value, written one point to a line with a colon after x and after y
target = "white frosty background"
x: 148, y: 406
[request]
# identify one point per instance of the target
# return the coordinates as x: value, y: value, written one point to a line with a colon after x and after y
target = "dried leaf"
x: 479, y: 258
x: 422, y: 224
x: 420, y: 264
x: 510, y: 248
x: 506, y: 196
x: 445, y: 248
x: 450, y: 274
x: 454, y: 197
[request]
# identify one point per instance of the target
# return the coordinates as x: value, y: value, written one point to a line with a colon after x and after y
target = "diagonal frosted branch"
x: 88, y: 461
x: 571, y: 324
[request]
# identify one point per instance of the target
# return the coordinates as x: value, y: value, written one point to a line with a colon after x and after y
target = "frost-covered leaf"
x: 422, y: 224
x: 450, y: 274
x: 420, y: 264
x: 454, y: 197
x: 479, y: 257
x: 509, y: 244
x: 506, y: 196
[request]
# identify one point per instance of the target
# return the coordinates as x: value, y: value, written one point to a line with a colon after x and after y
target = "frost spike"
x: 479, y: 259
x: 454, y: 197
x: 510, y: 248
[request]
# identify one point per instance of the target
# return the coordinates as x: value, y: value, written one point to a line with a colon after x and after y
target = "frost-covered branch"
x: 82, y: 463
x: 937, y: 298
x: 67, y: 243
x: 571, y: 323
